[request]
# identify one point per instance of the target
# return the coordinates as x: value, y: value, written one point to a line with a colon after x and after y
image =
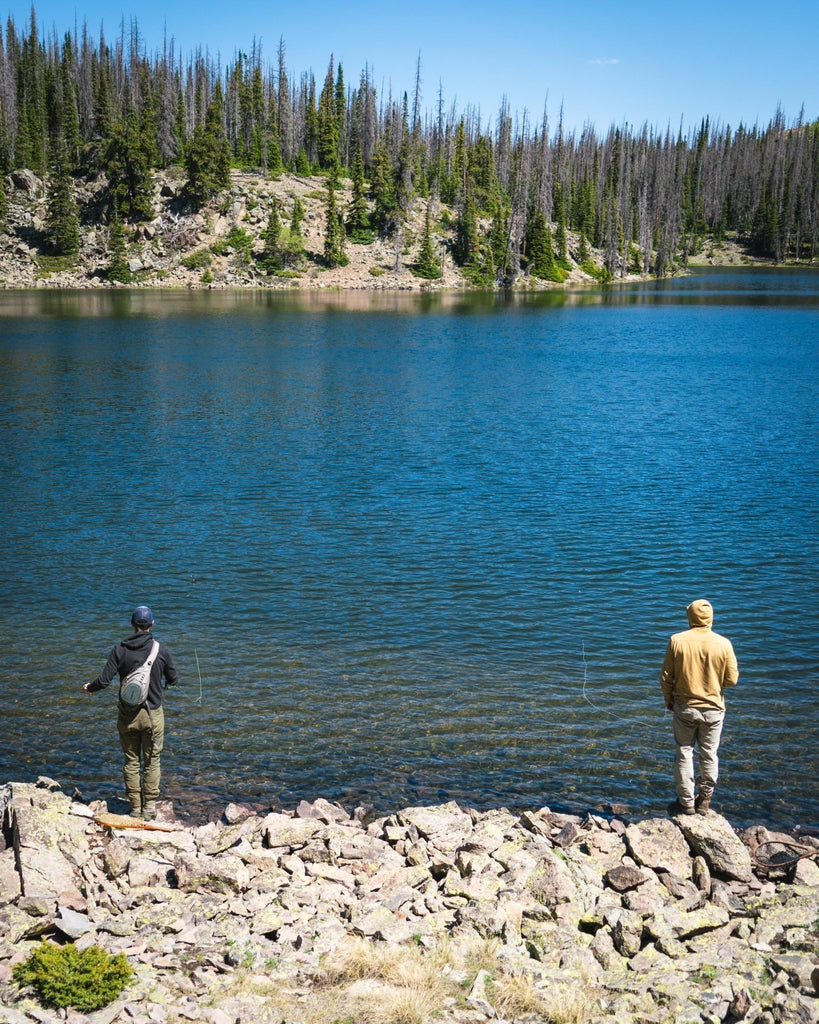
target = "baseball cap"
x: 143, y: 616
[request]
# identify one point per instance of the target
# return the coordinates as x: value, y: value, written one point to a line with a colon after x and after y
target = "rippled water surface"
x: 420, y: 548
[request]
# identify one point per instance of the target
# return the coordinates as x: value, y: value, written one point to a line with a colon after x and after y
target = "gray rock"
x: 675, y: 923
x: 713, y: 838
x: 26, y: 180
x: 659, y: 844
x: 116, y: 858
x: 627, y: 932
x: 71, y: 923
x: 446, y: 826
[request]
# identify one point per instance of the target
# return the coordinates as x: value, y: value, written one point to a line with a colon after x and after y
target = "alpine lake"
x: 410, y: 548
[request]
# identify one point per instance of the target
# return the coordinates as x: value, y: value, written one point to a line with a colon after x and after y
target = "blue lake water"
x: 407, y: 549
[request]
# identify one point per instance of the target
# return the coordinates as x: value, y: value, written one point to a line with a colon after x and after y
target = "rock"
x: 702, y: 876
x: 26, y: 180
x: 10, y: 888
x: 447, y: 827
x: 627, y: 932
x: 235, y: 813
x: 624, y: 877
x: 675, y: 923
x: 219, y: 874
x: 477, y: 998
x: 713, y: 838
x: 72, y: 924
x: 116, y: 858
x: 280, y: 830
x: 659, y: 844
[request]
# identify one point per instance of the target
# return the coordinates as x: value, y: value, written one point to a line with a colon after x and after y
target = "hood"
x: 138, y: 641
x: 700, y: 613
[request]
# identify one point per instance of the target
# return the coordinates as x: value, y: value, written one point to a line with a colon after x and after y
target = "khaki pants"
x: 141, y: 734
x: 701, y: 727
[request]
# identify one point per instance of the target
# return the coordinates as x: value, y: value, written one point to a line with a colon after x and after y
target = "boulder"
x: 446, y: 826
x: 713, y: 838
x: 659, y: 844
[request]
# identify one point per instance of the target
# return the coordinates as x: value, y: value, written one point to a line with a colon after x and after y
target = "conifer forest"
x: 518, y: 186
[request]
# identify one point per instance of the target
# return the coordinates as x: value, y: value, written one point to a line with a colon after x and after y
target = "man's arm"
x: 169, y: 670
x: 730, y: 673
x: 107, y: 674
x: 667, y: 677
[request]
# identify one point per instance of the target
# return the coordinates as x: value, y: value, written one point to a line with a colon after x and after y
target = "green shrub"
x: 601, y: 274
x: 197, y: 260
x: 54, y: 264
x: 207, y: 277
x: 65, y: 977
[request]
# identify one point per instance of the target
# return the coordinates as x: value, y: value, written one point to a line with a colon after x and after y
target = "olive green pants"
x: 141, y: 735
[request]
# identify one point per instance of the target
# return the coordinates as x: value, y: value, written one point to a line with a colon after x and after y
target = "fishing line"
x: 596, y: 708
x: 198, y: 700
x: 603, y: 711
x: 195, y: 700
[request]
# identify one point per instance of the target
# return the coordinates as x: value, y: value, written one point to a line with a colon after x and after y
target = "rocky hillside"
x: 441, y: 913
x: 182, y: 247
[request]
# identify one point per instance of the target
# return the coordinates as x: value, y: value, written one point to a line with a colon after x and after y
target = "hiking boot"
x: 136, y: 811
x: 149, y: 810
x: 703, y: 803
x: 681, y: 808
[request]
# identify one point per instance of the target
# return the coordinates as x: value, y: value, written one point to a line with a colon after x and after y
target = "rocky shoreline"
x: 443, y: 913
x: 188, y: 248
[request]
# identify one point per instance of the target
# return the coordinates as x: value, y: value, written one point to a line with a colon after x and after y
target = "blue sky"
x: 605, y: 63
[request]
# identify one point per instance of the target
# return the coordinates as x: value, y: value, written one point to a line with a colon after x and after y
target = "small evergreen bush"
x: 65, y: 977
x: 197, y: 260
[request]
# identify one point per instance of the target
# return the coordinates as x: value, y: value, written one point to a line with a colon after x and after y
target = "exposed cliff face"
x: 431, y: 913
x: 186, y: 248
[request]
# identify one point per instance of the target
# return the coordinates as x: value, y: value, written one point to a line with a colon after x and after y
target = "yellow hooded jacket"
x: 699, y: 663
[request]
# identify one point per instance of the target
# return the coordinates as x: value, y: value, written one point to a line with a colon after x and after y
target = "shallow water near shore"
x: 419, y: 547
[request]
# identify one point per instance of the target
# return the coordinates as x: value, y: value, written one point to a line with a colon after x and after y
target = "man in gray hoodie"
x: 698, y: 665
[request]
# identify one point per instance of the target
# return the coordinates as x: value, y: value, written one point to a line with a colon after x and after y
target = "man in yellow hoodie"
x: 698, y: 665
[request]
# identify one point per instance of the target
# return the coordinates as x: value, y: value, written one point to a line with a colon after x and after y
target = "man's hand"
x: 85, y: 688
x: 670, y: 703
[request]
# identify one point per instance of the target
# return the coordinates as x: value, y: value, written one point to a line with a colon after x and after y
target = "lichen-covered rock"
x: 713, y: 838
x: 657, y: 843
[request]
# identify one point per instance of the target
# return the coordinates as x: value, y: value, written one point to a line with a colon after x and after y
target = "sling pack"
x: 133, y: 690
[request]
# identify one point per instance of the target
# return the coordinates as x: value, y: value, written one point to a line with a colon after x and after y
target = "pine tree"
x: 429, y: 264
x: 359, y: 227
x: 327, y: 123
x: 118, y: 267
x: 4, y: 205
x: 270, y: 258
x: 542, y: 261
x: 334, y: 255
x: 127, y: 168
x: 465, y: 246
x: 297, y: 216
x: 382, y: 188
x: 62, y: 220
x: 207, y: 157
